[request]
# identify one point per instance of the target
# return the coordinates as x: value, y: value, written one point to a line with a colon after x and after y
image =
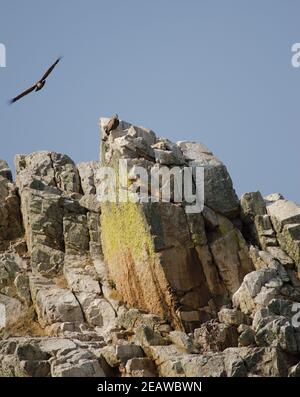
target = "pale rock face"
x: 128, y: 140
x: 42, y: 216
x: 80, y: 274
x: 185, y: 269
x: 261, y: 286
x: 230, y: 253
x: 128, y: 352
x: 24, y: 358
x: 193, y: 150
x: 83, y: 281
x: 87, y: 172
x: 182, y: 341
x: 285, y: 216
x: 93, y: 222
x: 88, y: 289
x: 49, y: 168
x: 15, y: 299
x: 265, y: 234
x: 257, y: 223
x: 98, y: 311
x: 281, y: 256
x: 243, y: 298
x: 273, y: 197
x: 252, y: 204
x: 141, y: 132
x: 264, y: 361
x: 35, y: 166
x: 77, y: 363
x: 278, y: 333
x: 88, y: 176
x: 210, y: 365
x: 214, y: 336
x: 53, y: 304
x: 90, y: 202
x: 244, y: 361
x: 168, y: 153
x: 10, y: 215
x: 76, y: 234
x: 11, y: 311
x: 54, y: 345
x: 46, y: 261
x: 165, y: 157
x: 21, y: 283
x: 276, y: 325
x: 219, y: 192
x: 145, y: 336
x: 232, y: 317
x: 284, y: 212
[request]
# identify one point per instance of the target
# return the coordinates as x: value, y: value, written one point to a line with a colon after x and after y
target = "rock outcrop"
x: 144, y: 288
x: 192, y: 263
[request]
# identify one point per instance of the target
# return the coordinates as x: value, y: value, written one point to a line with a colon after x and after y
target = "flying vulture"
x: 112, y: 124
x: 37, y: 86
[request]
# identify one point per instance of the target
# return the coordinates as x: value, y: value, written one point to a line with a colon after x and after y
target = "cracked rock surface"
x: 144, y: 289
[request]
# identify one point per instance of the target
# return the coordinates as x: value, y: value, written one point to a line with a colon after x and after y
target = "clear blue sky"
x: 213, y: 71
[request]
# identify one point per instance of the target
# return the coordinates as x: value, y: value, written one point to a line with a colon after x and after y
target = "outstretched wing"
x: 50, y: 69
x: 23, y: 94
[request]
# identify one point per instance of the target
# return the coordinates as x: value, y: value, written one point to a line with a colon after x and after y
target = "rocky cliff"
x: 144, y: 289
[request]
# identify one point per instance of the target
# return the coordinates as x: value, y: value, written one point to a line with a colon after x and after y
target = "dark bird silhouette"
x: 37, y: 86
x: 112, y: 124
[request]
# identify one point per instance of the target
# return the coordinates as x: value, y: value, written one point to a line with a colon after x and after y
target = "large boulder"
x: 230, y: 253
x: 11, y: 311
x: 232, y: 362
x: 88, y: 173
x: 257, y: 223
x: 214, y: 336
x: 285, y: 216
x: 23, y: 357
x: 49, y: 169
x: 52, y: 303
x: 77, y: 363
x: 219, y: 192
x: 55, y: 222
x: 165, y: 247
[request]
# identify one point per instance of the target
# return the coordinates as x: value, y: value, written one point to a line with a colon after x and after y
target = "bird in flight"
x: 112, y: 124
x: 37, y: 86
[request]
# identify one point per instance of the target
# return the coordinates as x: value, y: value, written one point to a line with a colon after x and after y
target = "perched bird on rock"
x: 37, y: 86
x: 112, y: 124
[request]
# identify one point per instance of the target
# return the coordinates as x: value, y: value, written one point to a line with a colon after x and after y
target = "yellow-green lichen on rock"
x: 117, y: 218
x: 152, y: 250
x: 133, y: 264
